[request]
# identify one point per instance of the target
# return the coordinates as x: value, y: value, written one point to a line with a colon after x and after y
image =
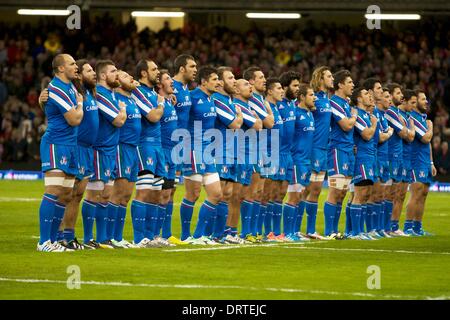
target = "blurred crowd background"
x: 419, y: 57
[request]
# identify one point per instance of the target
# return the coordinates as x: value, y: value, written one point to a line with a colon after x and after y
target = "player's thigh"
x: 192, y: 188
x: 213, y: 191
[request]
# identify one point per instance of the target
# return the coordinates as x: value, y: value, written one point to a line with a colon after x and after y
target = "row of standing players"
x: 108, y: 133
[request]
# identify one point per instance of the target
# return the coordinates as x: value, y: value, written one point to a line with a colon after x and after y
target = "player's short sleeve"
x: 360, y: 124
x: 394, y: 120
x: 144, y: 103
x: 107, y: 107
x: 249, y: 118
x: 59, y: 98
x: 338, y: 112
x: 224, y: 112
x: 258, y: 107
x: 421, y: 130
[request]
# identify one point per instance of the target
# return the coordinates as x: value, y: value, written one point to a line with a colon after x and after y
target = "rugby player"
x: 257, y: 103
x: 302, y: 149
x: 423, y: 167
x: 127, y: 158
x: 199, y: 169
x: 112, y: 116
x: 64, y: 111
x: 340, y: 157
x: 322, y: 84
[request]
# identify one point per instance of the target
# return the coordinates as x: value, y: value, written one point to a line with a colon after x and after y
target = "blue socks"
x: 246, y: 217
x: 388, y: 205
x: 261, y: 218
x: 363, y: 217
x: 348, y: 219
x: 120, y: 222
x: 160, y: 219
x: 88, y: 213
x: 255, y: 218
x: 329, y: 211
x: 138, y: 214
x: 101, y: 220
x: 417, y: 226
x: 268, y: 218
x: 355, y: 213
x: 68, y: 234
x: 277, y: 213
x: 58, y: 215
x: 112, y: 215
x: 289, y: 216
x: 337, y: 216
x: 206, y: 211
x: 46, y: 212
x: 379, y: 208
x: 221, y: 219
x: 408, y: 225
x: 167, y: 224
x: 311, y: 212
x: 299, y: 211
x: 186, y: 210
x: 151, y: 219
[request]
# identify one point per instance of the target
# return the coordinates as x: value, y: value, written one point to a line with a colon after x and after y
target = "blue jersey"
x: 382, y: 127
x: 108, y: 106
x: 286, y: 109
x: 278, y: 125
x: 130, y: 132
x: 365, y: 148
x: 395, y: 145
x: 184, y: 103
x: 322, y: 119
x: 203, y: 110
x: 88, y: 129
x: 304, y: 137
x: 169, y: 123
x: 340, y: 139
x: 257, y: 104
x: 421, y: 156
x: 147, y: 99
x: 226, y: 114
x: 406, y: 144
x: 247, y: 124
x: 61, y: 98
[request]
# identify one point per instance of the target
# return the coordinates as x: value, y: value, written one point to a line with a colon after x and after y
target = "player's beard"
x: 127, y: 87
x: 422, y: 109
x: 113, y: 84
x: 228, y: 89
x: 89, y: 84
x: 290, y: 94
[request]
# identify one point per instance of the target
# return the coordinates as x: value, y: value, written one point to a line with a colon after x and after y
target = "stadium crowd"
x: 405, y: 57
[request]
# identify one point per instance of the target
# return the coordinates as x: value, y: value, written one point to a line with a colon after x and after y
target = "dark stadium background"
x: 334, y: 33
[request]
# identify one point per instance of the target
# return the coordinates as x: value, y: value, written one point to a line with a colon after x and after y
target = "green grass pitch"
x: 410, y: 268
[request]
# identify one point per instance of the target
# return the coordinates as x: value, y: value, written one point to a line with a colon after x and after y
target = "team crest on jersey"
x: 316, y: 163
x: 202, y: 166
x: 371, y: 172
x: 395, y: 171
x: 224, y: 169
x: 63, y: 160
x: 212, y: 109
x: 128, y: 170
x: 422, y: 174
x: 186, y: 98
x: 282, y: 172
x: 149, y: 161
x: 304, y: 176
x: 81, y: 170
x: 108, y: 173
x: 345, y: 166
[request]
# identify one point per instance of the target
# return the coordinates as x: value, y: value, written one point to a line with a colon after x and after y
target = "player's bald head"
x: 241, y: 82
x: 59, y: 61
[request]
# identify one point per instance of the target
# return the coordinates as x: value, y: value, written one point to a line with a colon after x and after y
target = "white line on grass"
x: 200, y: 286
x: 226, y: 247
x: 13, y: 199
x: 368, y: 250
